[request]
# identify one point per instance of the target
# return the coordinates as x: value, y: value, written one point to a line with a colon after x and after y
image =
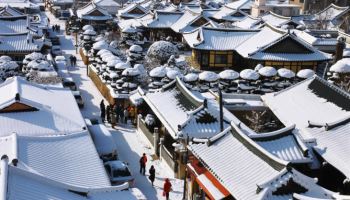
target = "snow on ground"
x: 131, y: 145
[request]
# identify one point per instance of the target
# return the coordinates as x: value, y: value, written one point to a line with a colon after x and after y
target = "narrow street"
x: 130, y: 144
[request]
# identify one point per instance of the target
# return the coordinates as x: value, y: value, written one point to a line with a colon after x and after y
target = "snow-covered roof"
x: 106, y: 3
x: 275, y: 19
x: 128, y: 11
x: 233, y: 11
x: 191, y: 20
x: 181, y: 112
x: 248, y: 23
x: 310, y: 105
x: 164, y: 19
x: 207, y: 38
x: 10, y: 25
x: 259, y: 173
x: 26, y: 185
x: 70, y: 159
x: 267, y: 45
x: 19, y: 4
x: 21, y: 42
x: 10, y: 11
x: 341, y: 66
x: 332, y: 12
x: 55, y: 110
x: 84, y: 12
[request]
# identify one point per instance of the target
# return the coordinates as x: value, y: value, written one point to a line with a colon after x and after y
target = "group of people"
x: 73, y: 60
x: 56, y: 28
x: 115, y: 113
x: 152, y: 175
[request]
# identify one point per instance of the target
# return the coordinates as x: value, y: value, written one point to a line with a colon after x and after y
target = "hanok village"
x: 174, y: 99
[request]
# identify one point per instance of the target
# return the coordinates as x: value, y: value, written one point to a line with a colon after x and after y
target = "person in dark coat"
x: 121, y: 113
x: 143, y: 161
x: 152, y: 174
x: 166, y: 188
x: 103, y: 110
x: 71, y: 60
x: 108, y: 113
x: 74, y: 61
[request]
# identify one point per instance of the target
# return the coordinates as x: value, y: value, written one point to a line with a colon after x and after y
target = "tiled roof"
x: 217, y: 39
x: 10, y: 11
x: 332, y: 12
x: 25, y: 185
x: 249, y: 172
x: 255, y: 47
x: 20, y: 42
x: 164, y: 19
x: 70, y: 159
x: 248, y: 23
x: 11, y: 25
x: 57, y: 112
x: 275, y: 20
x: 311, y: 105
x: 85, y: 11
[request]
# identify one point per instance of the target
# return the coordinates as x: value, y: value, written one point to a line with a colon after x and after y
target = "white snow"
x: 285, y: 73
x: 100, y: 45
x: 129, y: 29
x: 208, y: 76
x: 88, y: 27
x: 172, y: 74
x: 191, y: 77
x: 258, y: 67
x: 135, y: 48
x: 113, y: 62
x: 5, y: 58
x: 305, y: 73
x: 122, y: 65
x: 249, y: 74
x: 162, y: 50
x: 158, y: 72
x: 229, y: 74
x: 268, y: 71
x: 89, y: 32
x: 342, y: 66
x: 103, y: 51
x: 131, y: 72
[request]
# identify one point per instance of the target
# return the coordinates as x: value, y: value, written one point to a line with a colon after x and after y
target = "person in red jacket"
x: 166, y: 188
x: 143, y: 161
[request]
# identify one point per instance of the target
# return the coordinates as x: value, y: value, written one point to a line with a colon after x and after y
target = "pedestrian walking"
x: 166, y: 188
x: 113, y: 116
x: 121, y: 114
x: 152, y: 174
x: 126, y: 115
x: 71, y: 60
x: 108, y: 113
x: 103, y: 110
x: 74, y: 60
x: 143, y: 161
x: 53, y: 28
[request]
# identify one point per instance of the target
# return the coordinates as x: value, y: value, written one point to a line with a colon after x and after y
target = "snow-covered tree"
x: 160, y: 52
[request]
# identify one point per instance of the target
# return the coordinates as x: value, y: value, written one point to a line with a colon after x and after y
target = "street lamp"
x: 74, y: 28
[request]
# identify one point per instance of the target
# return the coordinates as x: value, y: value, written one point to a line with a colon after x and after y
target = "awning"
x: 209, y: 187
x: 136, y: 99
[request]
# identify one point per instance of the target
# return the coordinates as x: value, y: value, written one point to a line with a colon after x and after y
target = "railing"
x: 166, y: 155
x: 142, y: 128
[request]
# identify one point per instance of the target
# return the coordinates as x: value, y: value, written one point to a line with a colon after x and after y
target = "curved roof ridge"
x: 269, y: 158
x: 279, y: 16
x: 274, y: 134
x: 330, y: 125
x: 187, y: 92
x: 67, y: 186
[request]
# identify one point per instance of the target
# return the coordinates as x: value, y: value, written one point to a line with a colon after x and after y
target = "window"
x: 220, y: 59
x: 205, y: 59
x: 121, y: 172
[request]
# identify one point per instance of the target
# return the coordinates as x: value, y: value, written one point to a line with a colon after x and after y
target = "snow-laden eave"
x: 75, y: 188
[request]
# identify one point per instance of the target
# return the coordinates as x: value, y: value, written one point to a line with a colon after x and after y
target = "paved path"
x: 130, y: 144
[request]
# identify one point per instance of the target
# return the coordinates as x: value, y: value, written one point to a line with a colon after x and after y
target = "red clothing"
x: 167, y: 186
x: 144, y: 159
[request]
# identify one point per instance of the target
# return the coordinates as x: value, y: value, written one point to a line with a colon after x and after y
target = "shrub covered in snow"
x: 161, y: 51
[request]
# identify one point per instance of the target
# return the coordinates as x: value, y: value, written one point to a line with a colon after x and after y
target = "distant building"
x: 313, y: 6
x: 281, y: 7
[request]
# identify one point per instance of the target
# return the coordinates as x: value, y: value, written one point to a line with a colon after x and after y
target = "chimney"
x: 339, y: 48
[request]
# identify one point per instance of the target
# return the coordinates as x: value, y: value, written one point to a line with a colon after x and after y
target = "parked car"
x: 118, y: 172
x: 56, y: 51
x: 69, y: 83
x: 78, y: 98
x: 104, y: 143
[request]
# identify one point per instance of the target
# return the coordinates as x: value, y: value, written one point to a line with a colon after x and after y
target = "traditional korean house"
x: 9, y: 11
x: 280, y: 48
x: 214, y: 48
x: 21, y: 24
x: 131, y: 11
x: 59, y: 4
x: 276, y: 20
x: 111, y: 6
x: 232, y: 12
x: 331, y: 17
x: 24, y: 6
x: 190, y: 21
x: 232, y: 166
x: 180, y: 116
x: 94, y: 15
x: 18, y: 45
x: 320, y: 112
x: 160, y: 27
x: 249, y: 23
